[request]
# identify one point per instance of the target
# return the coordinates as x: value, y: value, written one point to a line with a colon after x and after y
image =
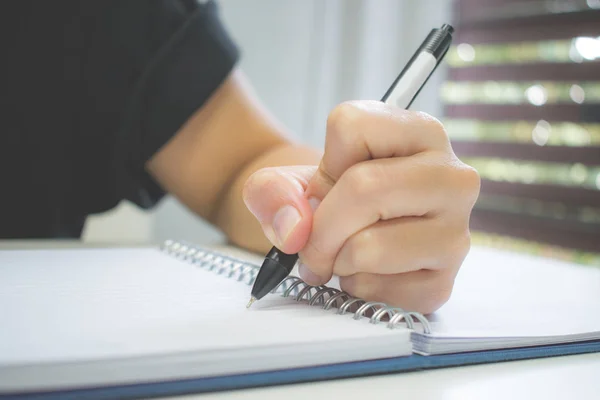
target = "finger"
x: 360, y: 131
x: 422, y: 291
x: 402, y: 245
x: 276, y: 197
x: 382, y: 190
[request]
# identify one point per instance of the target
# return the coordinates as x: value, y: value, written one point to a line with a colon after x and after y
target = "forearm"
x: 232, y: 215
x: 209, y: 160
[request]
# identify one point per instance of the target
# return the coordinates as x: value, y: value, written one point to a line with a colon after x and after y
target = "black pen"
x: 277, y: 264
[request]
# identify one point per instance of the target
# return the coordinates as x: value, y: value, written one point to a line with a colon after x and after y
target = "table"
x: 567, y: 377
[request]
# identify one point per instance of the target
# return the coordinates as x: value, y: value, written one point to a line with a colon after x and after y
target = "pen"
x: 277, y: 264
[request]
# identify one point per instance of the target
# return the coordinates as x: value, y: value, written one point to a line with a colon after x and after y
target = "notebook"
x: 135, y: 322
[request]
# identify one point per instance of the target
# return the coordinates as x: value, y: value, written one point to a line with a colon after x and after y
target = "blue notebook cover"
x: 312, y: 374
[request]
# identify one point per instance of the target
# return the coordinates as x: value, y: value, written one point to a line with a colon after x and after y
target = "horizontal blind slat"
x: 540, y: 132
x: 550, y: 112
x: 560, y: 233
x: 574, y: 196
x: 525, y: 152
x: 527, y: 72
x: 549, y: 27
x: 546, y: 209
x: 480, y: 11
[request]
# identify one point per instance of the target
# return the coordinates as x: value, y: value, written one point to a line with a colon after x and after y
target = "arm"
x: 386, y: 207
x: 208, y: 161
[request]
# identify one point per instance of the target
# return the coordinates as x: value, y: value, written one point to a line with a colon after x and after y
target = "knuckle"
x: 314, y: 255
x: 439, y: 293
x: 363, y: 180
x: 463, y: 244
x: 457, y: 250
x: 472, y: 183
x: 342, y: 122
x: 361, y: 285
x: 464, y: 179
x: 456, y: 245
x: 364, y: 253
x: 434, y: 126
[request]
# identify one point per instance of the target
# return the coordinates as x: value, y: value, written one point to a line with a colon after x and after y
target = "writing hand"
x: 391, y: 207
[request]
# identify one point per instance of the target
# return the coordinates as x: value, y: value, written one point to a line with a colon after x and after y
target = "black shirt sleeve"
x: 91, y: 90
x: 185, y: 54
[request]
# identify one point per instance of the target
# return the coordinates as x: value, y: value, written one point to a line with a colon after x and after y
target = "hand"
x: 387, y: 210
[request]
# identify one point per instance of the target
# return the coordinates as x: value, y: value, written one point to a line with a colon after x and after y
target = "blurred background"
x: 519, y: 93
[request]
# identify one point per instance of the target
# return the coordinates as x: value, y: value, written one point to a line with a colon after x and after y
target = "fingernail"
x: 308, y: 276
x: 284, y: 222
x: 314, y: 203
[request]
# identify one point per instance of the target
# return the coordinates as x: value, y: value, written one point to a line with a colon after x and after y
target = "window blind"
x: 522, y: 106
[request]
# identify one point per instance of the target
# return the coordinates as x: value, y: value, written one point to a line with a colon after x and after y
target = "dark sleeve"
x: 170, y: 56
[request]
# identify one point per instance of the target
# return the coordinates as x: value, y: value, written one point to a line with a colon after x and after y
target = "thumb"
x: 277, y: 198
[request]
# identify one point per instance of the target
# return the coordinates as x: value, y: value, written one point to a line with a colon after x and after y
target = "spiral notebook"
x: 135, y: 322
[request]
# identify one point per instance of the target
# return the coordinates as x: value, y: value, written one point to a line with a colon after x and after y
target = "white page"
x: 501, y: 294
x: 72, y: 307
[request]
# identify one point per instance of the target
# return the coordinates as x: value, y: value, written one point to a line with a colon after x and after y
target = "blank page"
x: 507, y: 295
x: 113, y: 315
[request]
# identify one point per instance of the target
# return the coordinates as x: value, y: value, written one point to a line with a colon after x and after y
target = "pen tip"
x: 252, y: 300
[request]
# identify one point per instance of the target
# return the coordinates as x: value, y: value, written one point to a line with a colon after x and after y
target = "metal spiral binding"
x: 244, y: 271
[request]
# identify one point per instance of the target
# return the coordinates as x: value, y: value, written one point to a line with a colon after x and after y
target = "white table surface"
x: 566, y: 377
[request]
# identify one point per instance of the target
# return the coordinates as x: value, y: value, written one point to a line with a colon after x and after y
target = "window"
x: 522, y: 106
